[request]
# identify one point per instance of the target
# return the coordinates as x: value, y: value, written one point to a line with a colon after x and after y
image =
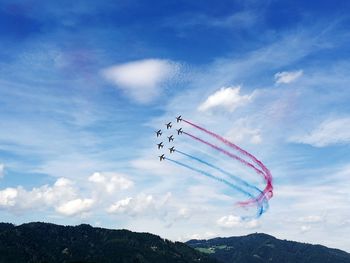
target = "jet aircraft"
x: 171, y: 138
x: 172, y: 149
x: 160, y: 145
x: 179, y: 131
x: 161, y: 157
x: 159, y: 133
x: 178, y: 118
x: 168, y: 125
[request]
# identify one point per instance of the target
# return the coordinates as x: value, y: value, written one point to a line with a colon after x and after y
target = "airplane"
x: 178, y: 118
x: 160, y: 145
x: 172, y: 149
x: 161, y: 157
x: 168, y: 125
x: 171, y: 138
x: 159, y: 133
x: 179, y: 131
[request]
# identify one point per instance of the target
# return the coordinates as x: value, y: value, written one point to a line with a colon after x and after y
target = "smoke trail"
x: 211, y: 176
x: 260, y: 207
x: 268, y: 191
x: 231, y: 155
x: 237, y: 179
x: 232, y: 145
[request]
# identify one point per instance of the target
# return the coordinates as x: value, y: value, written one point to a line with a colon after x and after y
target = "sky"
x: 84, y: 85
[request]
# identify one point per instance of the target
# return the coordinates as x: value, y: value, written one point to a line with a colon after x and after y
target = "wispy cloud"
x: 286, y: 77
x: 329, y: 132
x: 239, y: 20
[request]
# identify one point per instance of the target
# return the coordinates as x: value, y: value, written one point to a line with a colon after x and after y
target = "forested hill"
x: 42, y: 242
x: 258, y: 248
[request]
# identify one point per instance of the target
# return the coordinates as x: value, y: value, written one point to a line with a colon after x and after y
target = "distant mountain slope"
x: 257, y: 248
x: 42, y: 242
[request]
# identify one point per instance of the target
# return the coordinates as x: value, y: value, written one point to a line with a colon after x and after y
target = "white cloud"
x: 327, y: 133
x: 65, y: 196
x: 121, y: 205
x: 286, y: 77
x: 8, y: 197
x: 62, y: 182
x: 2, y: 167
x: 75, y: 206
x: 110, y: 182
x: 142, y: 79
x: 232, y: 221
x: 226, y: 98
x: 19, y: 199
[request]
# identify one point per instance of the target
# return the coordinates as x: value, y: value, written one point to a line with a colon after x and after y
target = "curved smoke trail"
x: 259, y: 206
x: 237, y: 179
x: 231, y: 155
x: 268, y: 191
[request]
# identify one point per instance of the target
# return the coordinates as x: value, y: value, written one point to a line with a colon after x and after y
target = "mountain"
x: 42, y: 242
x: 257, y: 248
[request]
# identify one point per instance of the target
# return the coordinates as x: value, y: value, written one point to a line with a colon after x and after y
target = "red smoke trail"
x: 268, y: 191
x: 233, y: 156
x: 261, y: 196
x: 234, y: 146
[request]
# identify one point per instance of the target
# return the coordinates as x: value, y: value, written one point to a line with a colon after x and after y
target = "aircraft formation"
x: 257, y: 197
x: 170, y: 138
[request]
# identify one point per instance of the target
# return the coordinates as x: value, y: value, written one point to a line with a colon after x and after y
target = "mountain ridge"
x: 261, y: 247
x: 38, y: 242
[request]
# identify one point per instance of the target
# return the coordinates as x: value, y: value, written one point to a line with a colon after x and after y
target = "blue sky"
x: 84, y: 84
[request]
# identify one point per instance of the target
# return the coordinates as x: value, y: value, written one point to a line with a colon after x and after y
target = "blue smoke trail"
x: 237, y: 179
x: 212, y: 177
x: 260, y: 207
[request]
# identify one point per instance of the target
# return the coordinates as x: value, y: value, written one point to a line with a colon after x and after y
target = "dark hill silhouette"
x: 42, y: 242
x: 257, y: 248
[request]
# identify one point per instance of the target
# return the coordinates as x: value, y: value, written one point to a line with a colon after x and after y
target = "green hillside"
x: 42, y: 242
x: 258, y: 248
